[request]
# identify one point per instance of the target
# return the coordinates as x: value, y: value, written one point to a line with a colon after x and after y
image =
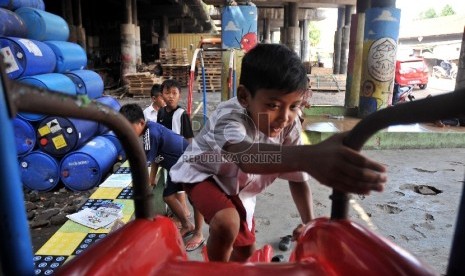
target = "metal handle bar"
x: 426, y: 110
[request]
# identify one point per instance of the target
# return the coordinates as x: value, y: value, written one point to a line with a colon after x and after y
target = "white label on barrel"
x: 78, y: 163
x: 9, y: 59
x: 54, y: 125
x: 31, y: 47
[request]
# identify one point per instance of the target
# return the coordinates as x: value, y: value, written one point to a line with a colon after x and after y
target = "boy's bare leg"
x: 197, y: 236
x: 242, y: 253
x: 181, y: 196
x: 224, y: 227
x: 178, y: 210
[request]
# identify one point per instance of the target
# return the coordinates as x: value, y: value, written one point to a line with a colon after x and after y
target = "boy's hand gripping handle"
x: 430, y: 109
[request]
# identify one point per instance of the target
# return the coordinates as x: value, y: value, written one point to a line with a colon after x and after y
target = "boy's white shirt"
x: 208, y: 160
x: 150, y: 114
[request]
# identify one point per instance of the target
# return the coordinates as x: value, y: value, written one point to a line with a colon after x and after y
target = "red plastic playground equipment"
x: 152, y: 245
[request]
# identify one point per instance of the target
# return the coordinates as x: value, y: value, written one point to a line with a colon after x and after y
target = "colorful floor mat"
x: 72, y: 238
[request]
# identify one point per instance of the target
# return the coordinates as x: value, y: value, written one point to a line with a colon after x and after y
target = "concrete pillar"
x: 80, y: 31
x: 134, y: 12
x: 293, y: 14
x: 345, y: 40
x: 383, y: 3
x: 137, y: 46
x: 362, y: 6
x: 354, y: 62
x: 155, y: 40
x: 283, y: 38
x: 128, y: 11
x: 128, y: 57
x: 305, y: 43
x: 266, y: 30
x: 163, y: 39
x: 92, y: 36
x: 301, y: 36
x: 138, y: 52
x: 67, y: 9
x: 293, y: 39
x: 460, y: 80
x: 293, y: 31
x: 338, y: 40
x: 354, y: 66
x: 274, y: 37
x: 379, y: 54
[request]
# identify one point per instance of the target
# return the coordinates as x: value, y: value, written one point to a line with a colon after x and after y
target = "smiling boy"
x: 251, y: 140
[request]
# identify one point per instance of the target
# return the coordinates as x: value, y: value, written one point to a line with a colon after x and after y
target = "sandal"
x: 277, y: 259
x: 285, y: 243
x: 193, y: 245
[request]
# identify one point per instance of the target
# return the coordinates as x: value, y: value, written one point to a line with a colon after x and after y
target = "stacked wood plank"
x: 140, y: 84
x: 213, y: 68
x: 323, y: 79
x: 174, y: 56
x: 175, y: 64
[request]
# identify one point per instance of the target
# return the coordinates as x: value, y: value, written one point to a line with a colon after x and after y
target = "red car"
x: 412, y: 71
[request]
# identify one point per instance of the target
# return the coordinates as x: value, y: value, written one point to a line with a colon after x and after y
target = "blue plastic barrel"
x: 87, y: 82
x: 11, y: 24
x: 119, y: 147
x: 84, y: 168
x: 52, y: 81
x: 16, y: 4
x: 25, y: 136
x: 39, y: 171
x: 58, y: 136
x: 26, y: 57
x: 31, y: 117
x: 111, y: 102
x: 70, y: 56
x: 43, y: 25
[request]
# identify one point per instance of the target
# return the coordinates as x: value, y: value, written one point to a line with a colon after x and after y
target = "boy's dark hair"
x: 156, y: 90
x: 169, y: 84
x: 273, y: 66
x: 132, y: 112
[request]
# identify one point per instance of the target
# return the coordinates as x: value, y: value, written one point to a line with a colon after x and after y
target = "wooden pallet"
x: 175, y: 64
x: 173, y: 56
x: 212, y: 84
x: 140, y: 84
x: 213, y: 70
x: 139, y: 92
x: 178, y: 72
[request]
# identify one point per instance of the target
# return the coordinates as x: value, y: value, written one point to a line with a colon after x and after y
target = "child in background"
x: 172, y: 115
x: 163, y: 148
x: 176, y: 118
x: 254, y: 138
x: 151, y: 111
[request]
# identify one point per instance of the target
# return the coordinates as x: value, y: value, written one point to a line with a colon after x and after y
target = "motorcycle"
x: 402, y: 94
x: 445, y: 71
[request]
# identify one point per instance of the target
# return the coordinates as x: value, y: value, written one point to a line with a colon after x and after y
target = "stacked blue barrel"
x: 51, y: 149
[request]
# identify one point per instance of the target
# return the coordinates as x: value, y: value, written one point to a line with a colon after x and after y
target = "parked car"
x: 412, y: 71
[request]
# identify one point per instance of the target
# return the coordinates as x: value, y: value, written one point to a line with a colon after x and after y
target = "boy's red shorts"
x: 208, y: 198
